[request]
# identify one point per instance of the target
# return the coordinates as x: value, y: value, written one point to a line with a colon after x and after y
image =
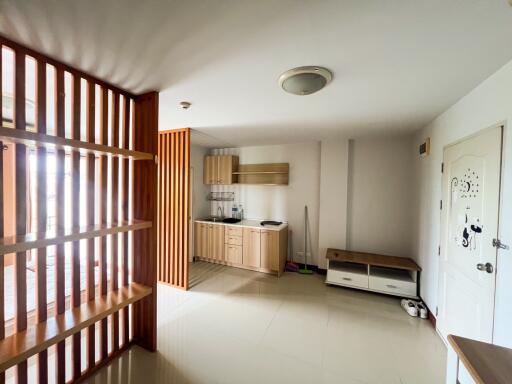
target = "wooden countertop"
x: 247, y: 223
x: 372, y: 259
x: 487, y: 363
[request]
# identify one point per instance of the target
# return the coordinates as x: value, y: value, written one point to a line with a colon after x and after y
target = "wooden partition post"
x: 173, y: 206
x: 145, y: 133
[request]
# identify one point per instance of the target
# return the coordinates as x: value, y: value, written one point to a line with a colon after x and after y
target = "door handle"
x: 487, y: 267
x: 496, y: 243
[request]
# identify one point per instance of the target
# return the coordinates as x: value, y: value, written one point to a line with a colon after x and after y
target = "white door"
x: 469, y: 223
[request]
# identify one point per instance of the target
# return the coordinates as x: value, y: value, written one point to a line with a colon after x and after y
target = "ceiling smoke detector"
x: 305, y: 80
x: 185, y: 105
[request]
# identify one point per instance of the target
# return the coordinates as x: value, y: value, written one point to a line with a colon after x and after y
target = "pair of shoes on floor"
x: 415, y: 308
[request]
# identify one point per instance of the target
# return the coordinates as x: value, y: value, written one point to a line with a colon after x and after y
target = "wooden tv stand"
x: 398, y: 276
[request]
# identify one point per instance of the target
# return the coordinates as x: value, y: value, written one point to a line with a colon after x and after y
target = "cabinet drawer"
x: 347, y: 278
x: 393, y: 286
x: 233, y: 254
x: 233, y: 240
x: 234, y: 231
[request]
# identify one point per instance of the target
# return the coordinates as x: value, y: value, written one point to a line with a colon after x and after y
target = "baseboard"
x: 431, y: 316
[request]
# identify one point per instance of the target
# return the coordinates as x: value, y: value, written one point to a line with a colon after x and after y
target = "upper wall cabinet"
x: 218, y: 169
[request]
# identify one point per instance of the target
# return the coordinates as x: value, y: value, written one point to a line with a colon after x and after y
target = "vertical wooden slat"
x: 91, y: 188
x: 75, y: 207
x: 144, y: 208
x: 60, y: 299
x: 104, y: 218
x: 42, y: 214
x: 175, y: 214
x: 187, y: 208
x: 2, y: 234
x: 114, y: 271
x: 170, y: 180
x: 181, y: 211
x: 20, y: 282
x: 171, y: 207
x: 125, y: 211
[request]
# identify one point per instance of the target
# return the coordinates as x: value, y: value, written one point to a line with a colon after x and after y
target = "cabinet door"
x: 218, y: 242
x: 210, y: 170
x: 233, y: 253
x: 270, y: 250
x: 225, y: 173
x: 251, y: 247
x: 201, y: 240
x: 197, y: 240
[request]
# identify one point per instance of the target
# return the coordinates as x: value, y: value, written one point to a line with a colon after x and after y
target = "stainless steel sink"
x: 213, y: 219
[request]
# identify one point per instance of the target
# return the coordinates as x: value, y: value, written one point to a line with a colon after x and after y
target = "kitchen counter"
x: 247, y: 224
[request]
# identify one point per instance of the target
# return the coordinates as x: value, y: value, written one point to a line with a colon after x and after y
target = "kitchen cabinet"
x: 209, y: 241
x: 217, y: 242
x: 218, y: 169
x: 243, y: 245
x: 251, y: 256
x: 269, y: 243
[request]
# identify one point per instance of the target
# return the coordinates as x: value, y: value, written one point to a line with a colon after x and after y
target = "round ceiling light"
x: 305, y: 80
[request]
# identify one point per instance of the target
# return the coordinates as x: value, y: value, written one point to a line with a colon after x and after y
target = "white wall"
x: 488, y: 104
x: 333, y: 197
x: 283, y: 203
x: 379, y: 196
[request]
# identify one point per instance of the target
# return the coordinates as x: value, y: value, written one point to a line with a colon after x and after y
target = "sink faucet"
x: 219, y: 208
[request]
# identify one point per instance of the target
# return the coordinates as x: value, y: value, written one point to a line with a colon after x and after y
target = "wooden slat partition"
x: 173, y: 207
x: 54, y: 323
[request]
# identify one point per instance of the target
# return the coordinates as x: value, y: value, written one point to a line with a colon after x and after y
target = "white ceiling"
x: 397, y: 63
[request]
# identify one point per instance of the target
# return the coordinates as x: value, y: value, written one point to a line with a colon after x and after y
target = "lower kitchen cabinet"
x: 233, y: 254
x: 209, y: 241
x: 269, y: 244
x: 262, y: 250
x: 251, y: 248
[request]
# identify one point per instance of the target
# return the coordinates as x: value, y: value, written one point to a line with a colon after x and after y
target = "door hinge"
x: 442, y: 167
x: 498, y: 244
x: 441, y: 204
x: 437, y: 310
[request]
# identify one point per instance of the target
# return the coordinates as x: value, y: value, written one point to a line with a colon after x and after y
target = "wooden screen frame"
x: 88, y: 309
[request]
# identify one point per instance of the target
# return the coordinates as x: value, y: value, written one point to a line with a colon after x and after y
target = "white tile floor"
x: 237, y: 326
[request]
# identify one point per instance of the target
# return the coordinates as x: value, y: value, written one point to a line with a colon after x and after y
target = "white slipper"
x: 422, y: 310
x: 410, y: 307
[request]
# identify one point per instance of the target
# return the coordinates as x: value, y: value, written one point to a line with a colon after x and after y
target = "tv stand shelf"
x: 390, y: 275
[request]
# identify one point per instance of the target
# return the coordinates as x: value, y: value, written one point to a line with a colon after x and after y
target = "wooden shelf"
x: 22, y: 345
x: 487, y: 363
x: 263, y: 174
x: 29, y: 241
x: 260, y: 173
x: 372, y: 259
x: 28, y: 138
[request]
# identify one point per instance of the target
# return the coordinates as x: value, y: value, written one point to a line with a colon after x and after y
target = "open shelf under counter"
x: 22, y: 345
x: 35, y: 139
x: 21, y: 243
x: 377, y: 273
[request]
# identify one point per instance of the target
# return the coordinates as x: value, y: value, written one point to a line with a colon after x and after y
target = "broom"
x: 305, y: 270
